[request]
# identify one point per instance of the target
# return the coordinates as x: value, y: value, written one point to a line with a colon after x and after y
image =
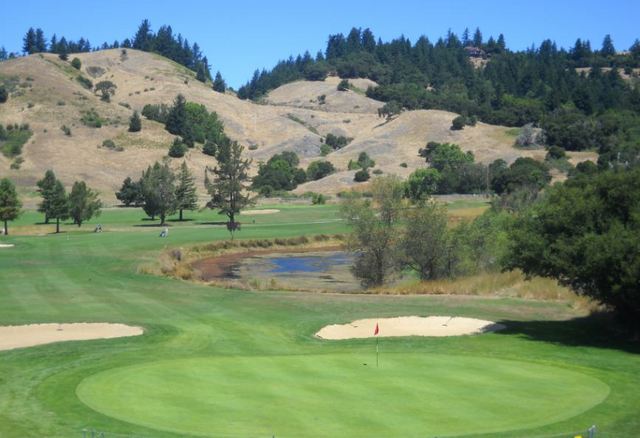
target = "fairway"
x: 341, y: 395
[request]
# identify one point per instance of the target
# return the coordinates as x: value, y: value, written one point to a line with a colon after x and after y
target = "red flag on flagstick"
x: 375, y: 333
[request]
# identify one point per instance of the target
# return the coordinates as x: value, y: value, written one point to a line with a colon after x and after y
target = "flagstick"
x: 377, y: 351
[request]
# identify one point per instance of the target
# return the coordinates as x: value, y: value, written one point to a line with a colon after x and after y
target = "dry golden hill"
x: 47, y: 95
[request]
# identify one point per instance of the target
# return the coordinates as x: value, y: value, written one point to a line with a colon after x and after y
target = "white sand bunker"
x: 6, y: 245
x: 20, y: 336
x: 258, y: 212
x: 409, y: 326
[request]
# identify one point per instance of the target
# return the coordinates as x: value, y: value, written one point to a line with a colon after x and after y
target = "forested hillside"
x: 583, y: 98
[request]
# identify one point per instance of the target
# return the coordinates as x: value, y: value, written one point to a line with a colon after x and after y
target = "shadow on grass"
x: 178, y: 220
x: 212, y: 223
x: 599, y: 330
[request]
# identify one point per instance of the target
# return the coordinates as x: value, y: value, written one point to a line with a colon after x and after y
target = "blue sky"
x: 243, y: 35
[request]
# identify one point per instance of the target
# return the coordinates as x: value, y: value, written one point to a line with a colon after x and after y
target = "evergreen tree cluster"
x: 164, y: 42
x: 514, y: 88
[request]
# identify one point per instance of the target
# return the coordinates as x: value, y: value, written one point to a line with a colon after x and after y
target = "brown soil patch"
x: 219, y: 267
x: 435, y: 326
x: 21, y: 336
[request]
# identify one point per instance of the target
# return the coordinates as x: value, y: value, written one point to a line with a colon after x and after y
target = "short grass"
x: 253, y: 357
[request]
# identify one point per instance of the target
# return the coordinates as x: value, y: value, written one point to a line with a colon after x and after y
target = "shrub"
x: 76, y: 63
x: 322, y: 99
x: 319, y: 169
x: 210, y: 149
x: 325, y: 149
x: 13, y: 138
x: 361, y: 175
x: 85, y: 82
x: 458, y: 123
x: 177, y: 148
x: 556, y: 153
x: 4, y: 94
x: 318, y: 199
x: 343, y: 85
x: 337, y: 142
x: 377, y: 172
x: 253, y: 147
x: 66, y: 130
x: 15, y: 165
x: 158, y: 113
x: 92, y: 119
x: 403, y: 165
x: 111, y: 145
x: 63, y: 56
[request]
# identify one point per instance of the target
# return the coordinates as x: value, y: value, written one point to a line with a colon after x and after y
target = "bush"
x: 111, y: 145
x: 325, y: 149
x: 318, y: 199
x: 92, y: 119
x: 66, y: 130
x: 458, y: 123
x: 210, y: 149
x: 555, y: 153
x: 157, y: 113
x: 403, y: 165
x: 319, y: 169
x: 337, y: 142
x: 377, y: 172
x: 85, y: 82
x: 343, y: 85
x: 177, y: 148
x: 361, y: 175
x: 63, y: 57
x: 322, y: 99
x: 13, y: 138
x: 365, y: 161
x: 4, y: 95
x: 76, y: 63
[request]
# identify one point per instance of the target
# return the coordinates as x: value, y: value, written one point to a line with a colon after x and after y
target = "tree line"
x: 584, y: 232
x: 164, y: 42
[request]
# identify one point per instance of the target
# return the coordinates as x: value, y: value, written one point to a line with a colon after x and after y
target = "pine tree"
x: 229, y: 187
x: 219, y: 84
x: 177, y: 117
x: 45, y: 187
x: 83, y: 203
x: 135, y: 124
x: 29, y: 42
x: 41, y: 41
x: 200, y: 73
x: 607, y: 46
x: 9, y: 203
x: 130, y: 192
x: 186, y: 196
x: 465, y: 37
x: 477, y: 38
x: 143, y: 38
x: 58, y: 204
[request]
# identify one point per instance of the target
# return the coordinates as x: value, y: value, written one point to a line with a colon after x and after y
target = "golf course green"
x: 240, y: 363
x: 341, y: 394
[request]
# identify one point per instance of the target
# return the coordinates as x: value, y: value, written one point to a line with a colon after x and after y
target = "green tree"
x: 425, y: 239
x: 373, y: 239
x: 421, y: 184
x: 4, y: 95
x: 130, y: 193
x: 458, y: 123
x: 586, y: 233
x: 186, y: 196
x: 361, y: 175
x: 58, y: 204
x: 343, y: 85
x: 177, y: 117
x: 177, y: 148
x: 9, y: 203
x: 76, y: 63
x: 45, y: 188
x: 159, y: 191
x: 29, y: 42
x: 135, y: 124
x: 607, y: 46
x: 83, y: 203
x: 106, y: 89
x: 319, y: 169
x: 229, y: 187
x: 219, y: 84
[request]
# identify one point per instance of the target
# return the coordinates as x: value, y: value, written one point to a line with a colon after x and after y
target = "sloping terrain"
x: 47, y: 95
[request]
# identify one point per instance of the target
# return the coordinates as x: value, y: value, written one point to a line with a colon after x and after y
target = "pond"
x: 329, y: 270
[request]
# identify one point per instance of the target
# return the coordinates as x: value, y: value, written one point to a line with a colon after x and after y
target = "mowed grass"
x: 232, y: 347
x: 432, y: 393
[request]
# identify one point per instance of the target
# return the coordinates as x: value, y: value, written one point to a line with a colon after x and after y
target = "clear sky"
x: 242, y: 35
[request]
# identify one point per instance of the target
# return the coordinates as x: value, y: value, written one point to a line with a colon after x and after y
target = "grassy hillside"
x: 47, y: 94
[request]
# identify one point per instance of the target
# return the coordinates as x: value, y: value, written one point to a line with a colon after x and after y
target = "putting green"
x: 337, y: 395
